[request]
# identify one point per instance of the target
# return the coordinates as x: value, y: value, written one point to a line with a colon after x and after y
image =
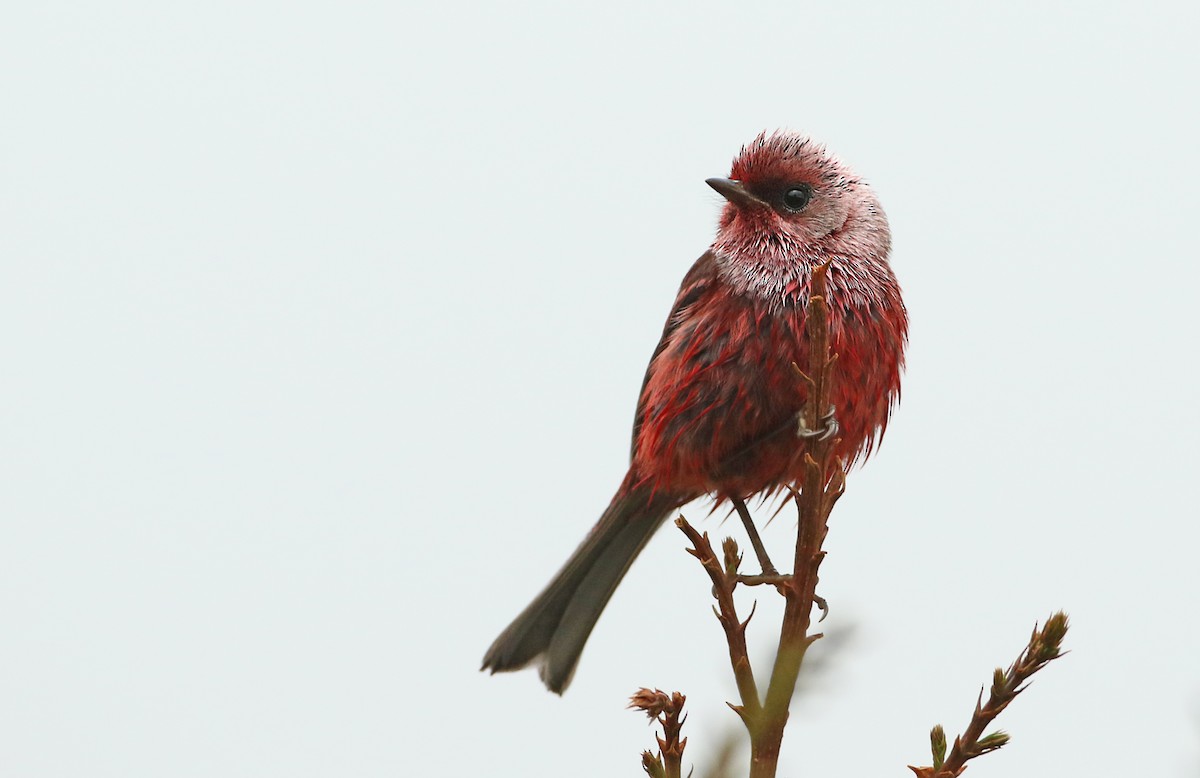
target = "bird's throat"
x: 775, y: 271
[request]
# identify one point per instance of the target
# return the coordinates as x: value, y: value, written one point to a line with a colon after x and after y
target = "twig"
x: 724, y: 579
x: 1045, y: 645
x: 667, y: 710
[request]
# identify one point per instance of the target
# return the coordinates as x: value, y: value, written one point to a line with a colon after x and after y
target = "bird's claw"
x: 828, y: 429
x: 823, y: 605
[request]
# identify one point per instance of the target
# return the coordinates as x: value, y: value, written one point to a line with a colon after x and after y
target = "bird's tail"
x: 552, y: 629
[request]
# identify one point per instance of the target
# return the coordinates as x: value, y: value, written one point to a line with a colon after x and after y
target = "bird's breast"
x: 721, y: 399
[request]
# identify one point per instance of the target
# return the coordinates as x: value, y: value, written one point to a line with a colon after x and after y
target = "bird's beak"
x: 735, y: 192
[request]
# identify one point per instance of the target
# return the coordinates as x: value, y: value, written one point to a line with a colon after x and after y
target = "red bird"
x: 719, y: 408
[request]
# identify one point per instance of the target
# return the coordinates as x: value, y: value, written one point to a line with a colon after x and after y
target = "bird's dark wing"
x: 697, y: 281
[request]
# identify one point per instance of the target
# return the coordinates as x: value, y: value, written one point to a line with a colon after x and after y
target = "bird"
x: 720, y: 408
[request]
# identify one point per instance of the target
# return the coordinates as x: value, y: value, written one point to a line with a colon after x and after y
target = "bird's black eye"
x: 795, y: 198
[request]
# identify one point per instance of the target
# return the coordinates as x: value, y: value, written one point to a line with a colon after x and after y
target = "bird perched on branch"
x: 721, y: 406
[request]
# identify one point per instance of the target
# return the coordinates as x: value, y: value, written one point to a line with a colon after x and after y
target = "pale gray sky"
x: 324, y: 324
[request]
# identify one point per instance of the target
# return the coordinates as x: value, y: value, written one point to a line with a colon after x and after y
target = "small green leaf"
x: 993, y: 741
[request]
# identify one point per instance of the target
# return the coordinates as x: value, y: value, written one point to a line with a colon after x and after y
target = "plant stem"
x: 816, y: 498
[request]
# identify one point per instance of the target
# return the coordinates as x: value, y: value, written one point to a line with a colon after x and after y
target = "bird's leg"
x: 759, y: 549
x: 829, y: 426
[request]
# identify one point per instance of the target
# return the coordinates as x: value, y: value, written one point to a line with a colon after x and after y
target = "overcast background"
x: 323, y: 325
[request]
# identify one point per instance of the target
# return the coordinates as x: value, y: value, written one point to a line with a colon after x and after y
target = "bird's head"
x: 787, y: 190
